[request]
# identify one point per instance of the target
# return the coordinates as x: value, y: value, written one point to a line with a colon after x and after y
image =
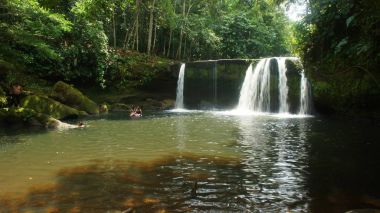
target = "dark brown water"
x: 192, y: 162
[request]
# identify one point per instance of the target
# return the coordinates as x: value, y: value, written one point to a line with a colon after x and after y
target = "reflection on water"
x: 344, y: 165
x: 184, y: 183
x: 192, y: 162
x: 275, y: 157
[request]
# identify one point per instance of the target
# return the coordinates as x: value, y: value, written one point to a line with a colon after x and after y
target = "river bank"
x: 149, y: 82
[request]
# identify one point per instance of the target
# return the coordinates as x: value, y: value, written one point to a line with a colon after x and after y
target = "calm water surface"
x: 192, y: 162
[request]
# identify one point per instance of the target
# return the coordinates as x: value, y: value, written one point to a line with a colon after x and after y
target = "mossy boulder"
x: 72, y: 97
x: 24, y: 116
x: 103, y: 108
x: 50, y: 107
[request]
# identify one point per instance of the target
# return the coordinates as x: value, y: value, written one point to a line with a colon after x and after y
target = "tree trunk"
x: 184, y: 48
x: 150, y: 28
x: 154, y: 37
x: 126, y: 30
x: 170, y: 42
x: 178, y: 56
x: 114, y: 28
x: 164, y: 51
x: 137, y: 24
x: 130, y: 35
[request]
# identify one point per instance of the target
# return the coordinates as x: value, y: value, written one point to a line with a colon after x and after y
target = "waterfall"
x: 255, y: 92
x: 282, y: 86
x: 305, y: 97
x: 180, y: 84
x: 246, y: 90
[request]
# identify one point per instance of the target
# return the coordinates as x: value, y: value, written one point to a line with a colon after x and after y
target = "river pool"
x: 192, y: 161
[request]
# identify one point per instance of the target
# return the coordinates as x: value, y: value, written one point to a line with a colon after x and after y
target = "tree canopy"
x: 80, y: 39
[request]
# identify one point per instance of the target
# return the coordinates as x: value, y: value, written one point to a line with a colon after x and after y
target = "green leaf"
x: 349, y: 20
x: 340, y: 45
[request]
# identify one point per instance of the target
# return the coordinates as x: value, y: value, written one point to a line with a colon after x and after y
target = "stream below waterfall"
x: 190, y: 162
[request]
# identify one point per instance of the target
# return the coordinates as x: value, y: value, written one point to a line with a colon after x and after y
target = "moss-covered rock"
x: 24, y: 116
x: 50, y: 107
x: 103, y: 108
x: 74, y: 98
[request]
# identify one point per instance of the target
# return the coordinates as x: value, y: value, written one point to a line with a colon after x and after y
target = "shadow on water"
x: 180, y: 184
x: 15, y: 134
x: 344, y: 165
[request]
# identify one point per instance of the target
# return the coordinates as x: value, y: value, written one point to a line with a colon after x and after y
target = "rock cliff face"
x: 344, y: 90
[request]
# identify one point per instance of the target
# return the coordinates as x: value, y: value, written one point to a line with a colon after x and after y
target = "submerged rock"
x: 74, y: 98
x: 24, y: 116
x: 50, y: 107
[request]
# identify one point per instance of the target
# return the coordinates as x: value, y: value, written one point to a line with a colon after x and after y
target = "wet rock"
x: 167, y: 104
x: 119, y: 107
x: 132, y: 99
x: 151, y: 104
x: 50, y: 107
x: 24, y: 116
x: 74, y: 98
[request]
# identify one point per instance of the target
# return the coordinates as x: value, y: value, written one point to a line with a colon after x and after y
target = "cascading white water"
x: 282, y: 86
x: 180, y: 84
x: 245, y: 102
x: 305, y: 96
x: 255, y: 92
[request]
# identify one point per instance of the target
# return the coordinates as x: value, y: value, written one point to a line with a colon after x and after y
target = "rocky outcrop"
x: 72, y: 97
x: 43, y: 111
x: 50, y: 107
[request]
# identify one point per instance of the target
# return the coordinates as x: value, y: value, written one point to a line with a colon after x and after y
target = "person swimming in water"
x: 63, y: 126
x: 135, y: 112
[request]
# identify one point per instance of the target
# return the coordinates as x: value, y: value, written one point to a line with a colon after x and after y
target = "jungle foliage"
x: 80, y: 40
x: 339, y: 41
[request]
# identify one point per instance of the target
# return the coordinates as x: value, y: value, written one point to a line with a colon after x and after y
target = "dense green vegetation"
x: 92, y: 40
x: 126, y: 43
x: 339, y: 42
